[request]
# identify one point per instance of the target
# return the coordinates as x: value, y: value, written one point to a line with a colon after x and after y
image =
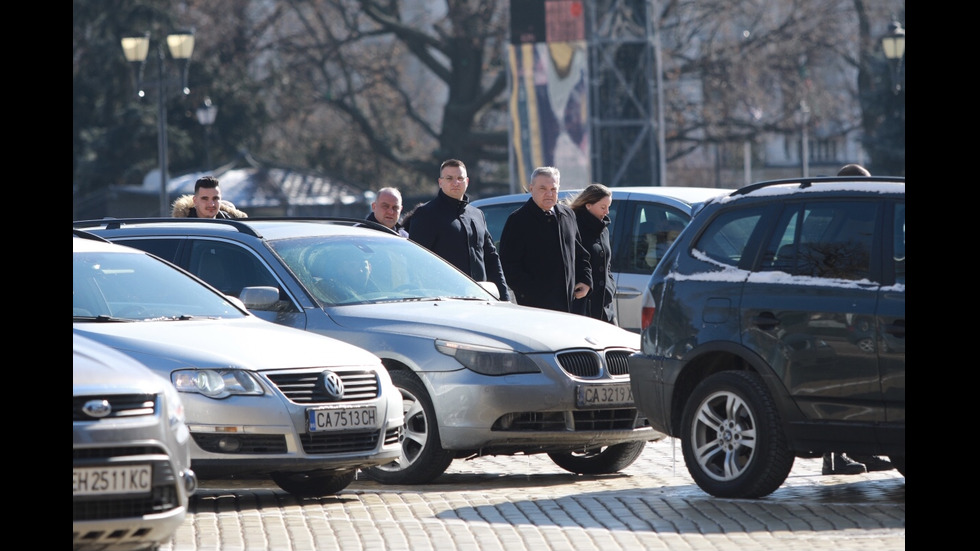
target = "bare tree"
x: 381, y: 91
x: 389, y: 89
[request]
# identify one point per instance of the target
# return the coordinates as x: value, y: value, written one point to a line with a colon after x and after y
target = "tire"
x: 604, y: 460
x: 732, y: 438
x: 314, y: 483
x: 899, y: 462
x: 422, y: 458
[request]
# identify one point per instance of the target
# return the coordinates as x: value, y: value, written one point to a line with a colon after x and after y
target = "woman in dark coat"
x: 591, y: 208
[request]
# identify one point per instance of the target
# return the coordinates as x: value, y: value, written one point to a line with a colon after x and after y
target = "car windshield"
x: 366, y: 269
x: 125, y: 286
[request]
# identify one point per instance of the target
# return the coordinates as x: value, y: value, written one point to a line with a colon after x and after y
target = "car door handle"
x: 765, y: 320
x: 628, y: 292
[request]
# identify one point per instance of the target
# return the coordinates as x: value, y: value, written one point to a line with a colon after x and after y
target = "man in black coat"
x: 541, y: 250
x: 456, y: 231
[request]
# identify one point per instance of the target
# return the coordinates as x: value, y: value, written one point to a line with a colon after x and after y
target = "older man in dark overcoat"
x: 541, y: 251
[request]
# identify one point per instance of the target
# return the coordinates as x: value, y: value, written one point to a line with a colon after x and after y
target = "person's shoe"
x: 838, y: 463
x: 874, y: 463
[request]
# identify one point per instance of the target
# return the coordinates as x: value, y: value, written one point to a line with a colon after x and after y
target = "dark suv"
x: 775, y: 328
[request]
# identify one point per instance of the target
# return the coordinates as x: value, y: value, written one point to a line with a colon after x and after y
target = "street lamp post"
x: 893, y: 46
x: 804, y: 138
x: 136, y: 48
x: 206, y: 114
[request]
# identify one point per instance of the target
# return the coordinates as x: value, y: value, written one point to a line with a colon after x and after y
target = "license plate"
x: 128, y: 479
x: 330, y: 419
x: 604, y: 395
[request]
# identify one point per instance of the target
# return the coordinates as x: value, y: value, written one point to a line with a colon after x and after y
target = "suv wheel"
x: 732, y: 438
x: 422, y: 458
x: 604, y: 460
x: 314, y: 483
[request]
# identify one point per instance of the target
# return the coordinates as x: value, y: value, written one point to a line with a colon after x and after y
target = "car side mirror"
x: 259, y: 298
x: 491, y: 288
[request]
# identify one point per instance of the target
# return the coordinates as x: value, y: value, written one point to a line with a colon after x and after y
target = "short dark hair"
x: 451, y: 162
x: 207, y: 182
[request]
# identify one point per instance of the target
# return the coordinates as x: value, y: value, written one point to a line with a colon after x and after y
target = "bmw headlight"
x: 217, y: 383
x: 487, y: 360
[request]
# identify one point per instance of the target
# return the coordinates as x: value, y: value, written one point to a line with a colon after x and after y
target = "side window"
x: 164, y: 248
x: 830, y: 239
x: 725, y: 238
x: 654, y: 228
x: 231, y: 268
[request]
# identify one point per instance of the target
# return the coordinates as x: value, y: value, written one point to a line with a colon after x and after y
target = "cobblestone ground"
x: 528, y: 503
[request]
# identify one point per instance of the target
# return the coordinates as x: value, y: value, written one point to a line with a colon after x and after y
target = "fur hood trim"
x: 183, y: 205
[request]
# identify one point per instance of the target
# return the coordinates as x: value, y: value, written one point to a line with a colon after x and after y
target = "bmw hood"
x: 522, y: 328
x: 248, y: 343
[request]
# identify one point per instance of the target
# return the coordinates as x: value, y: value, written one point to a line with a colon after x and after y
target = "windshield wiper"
x: 182, y: 317
x: 107, y: 319
x: 101, y: 319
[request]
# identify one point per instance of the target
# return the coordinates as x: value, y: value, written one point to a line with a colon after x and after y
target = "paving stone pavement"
x: 518, y: 503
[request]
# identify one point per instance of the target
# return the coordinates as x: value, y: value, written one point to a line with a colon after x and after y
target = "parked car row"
x: 771, y: 326
x: 260, y: 400
x: 475, y: 375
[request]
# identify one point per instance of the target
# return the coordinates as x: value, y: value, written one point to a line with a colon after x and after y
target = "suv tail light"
x: 648, y: 309
x: 646, y: 317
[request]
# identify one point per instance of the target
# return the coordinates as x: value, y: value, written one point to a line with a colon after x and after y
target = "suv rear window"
x: 830, y: 239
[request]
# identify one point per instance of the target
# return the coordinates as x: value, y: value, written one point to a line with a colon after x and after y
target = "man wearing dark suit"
x: 453, y: 229
x: 541, y: 250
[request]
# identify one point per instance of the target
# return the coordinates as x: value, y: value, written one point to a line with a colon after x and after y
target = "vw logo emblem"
x: 332, y: 384
x: 97, y: 408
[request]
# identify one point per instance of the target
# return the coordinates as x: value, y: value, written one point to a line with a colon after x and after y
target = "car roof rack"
x: 116, y: 223
x: 240, y: 224
x: 807, y: 182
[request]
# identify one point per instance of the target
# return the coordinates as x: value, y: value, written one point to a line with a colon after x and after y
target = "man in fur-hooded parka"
x: 205, y: 203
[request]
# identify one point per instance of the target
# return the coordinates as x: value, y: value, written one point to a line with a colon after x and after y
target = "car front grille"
x: 241, y: 443
x: 340, y: 442
x: 160, y: 500
x: 588, y: 364
x: 581, y: 421
x: 605, y: 419
x: 135, y: 536
x: 618, y: 362
x: 120, y: 405
x: 304, y: 387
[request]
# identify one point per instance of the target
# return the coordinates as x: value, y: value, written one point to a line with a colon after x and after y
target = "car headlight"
x: 217, y: 383
x: 487, y: 360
